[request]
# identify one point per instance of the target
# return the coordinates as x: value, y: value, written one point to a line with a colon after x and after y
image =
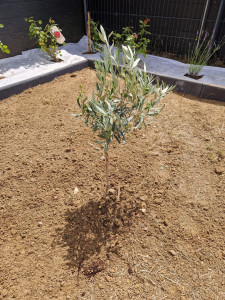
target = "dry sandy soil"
x: 162, y: 238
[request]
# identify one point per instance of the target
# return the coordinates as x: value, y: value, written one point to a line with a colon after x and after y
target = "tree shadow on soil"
x: 91, y: 230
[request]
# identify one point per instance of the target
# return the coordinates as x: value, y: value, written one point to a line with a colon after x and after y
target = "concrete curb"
x: 19, y: 87
x: 185, y: 86
x: 189, y: 86
x: 198, y: 89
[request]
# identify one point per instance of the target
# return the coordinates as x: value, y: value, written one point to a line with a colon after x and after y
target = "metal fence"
x: 174, y: 23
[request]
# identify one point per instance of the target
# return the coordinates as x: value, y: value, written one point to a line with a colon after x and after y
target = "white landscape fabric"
x: 35, y: 62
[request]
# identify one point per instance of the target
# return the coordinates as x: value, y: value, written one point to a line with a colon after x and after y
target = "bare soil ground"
x: 162, y: 238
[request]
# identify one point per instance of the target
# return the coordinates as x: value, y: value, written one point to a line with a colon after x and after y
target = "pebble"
x: 143, y: 210
x: 144, y: 198
x: 155, y: 153
x: 165, y: 222
x: 76, y: 191
x: 108, y: 278
x: 143, y: 205
x: 13, y: 231
x: 172, y: 252
x: 219, y: 170
x: 168, y: 150
x: 112, y: 192
x: 157, y: 201
x: 40, y: 224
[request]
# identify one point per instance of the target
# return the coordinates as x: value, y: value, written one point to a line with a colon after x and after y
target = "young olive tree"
x: 124, y: 98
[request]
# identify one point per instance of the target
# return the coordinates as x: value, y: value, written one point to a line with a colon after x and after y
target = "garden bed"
x: 163, y: 238
x: 34, y: 67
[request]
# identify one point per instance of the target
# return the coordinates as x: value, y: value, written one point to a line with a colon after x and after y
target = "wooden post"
x: 89, y: 50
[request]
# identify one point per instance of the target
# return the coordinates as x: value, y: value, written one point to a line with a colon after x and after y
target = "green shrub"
x: 137, y: 41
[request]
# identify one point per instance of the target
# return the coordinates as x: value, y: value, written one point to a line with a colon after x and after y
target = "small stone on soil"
x: 165, y: 222
x: 108, y: 278
x: 157, y: 201
x: 168, y: 150
x: 13, y: 231
x: 111, y: 191
x: 144, y: 198
x: 155, y: 153
x: 219, y: 170
x: 76, y: 191
x: 172, y: 252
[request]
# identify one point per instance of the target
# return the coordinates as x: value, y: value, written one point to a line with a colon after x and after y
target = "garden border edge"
x: 187, y: 86
x: 19, y: 87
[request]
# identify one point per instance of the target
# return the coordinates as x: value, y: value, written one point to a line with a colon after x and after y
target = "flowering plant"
x: 138, y: 41
x: 45, y: 39
x: 3, y: 47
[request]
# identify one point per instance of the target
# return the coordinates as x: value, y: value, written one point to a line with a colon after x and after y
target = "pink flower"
x: 146, y: 21
x: 134, y: 36
x: 57, y: 34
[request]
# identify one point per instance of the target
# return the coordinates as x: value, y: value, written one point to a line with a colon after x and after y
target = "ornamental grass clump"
x: 124, y: 100
x: 201, y: 52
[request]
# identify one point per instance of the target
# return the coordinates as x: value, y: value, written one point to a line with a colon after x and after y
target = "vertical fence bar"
x: 216, y: 26
x: 203, y: 20
x: 85, y: 15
